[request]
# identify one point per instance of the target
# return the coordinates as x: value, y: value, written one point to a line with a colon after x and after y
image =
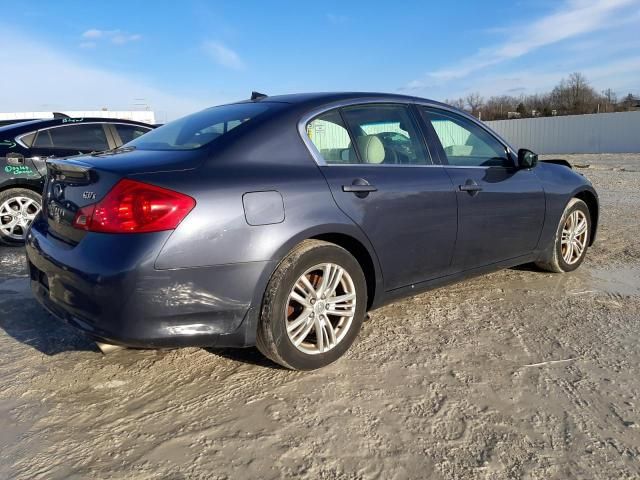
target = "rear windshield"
x: 199, y: 129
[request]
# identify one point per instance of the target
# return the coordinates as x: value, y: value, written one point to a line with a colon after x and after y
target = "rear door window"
x: 87, y: 137
x: 386, y: 135
x: 128, y: 133
x: 43, y: 139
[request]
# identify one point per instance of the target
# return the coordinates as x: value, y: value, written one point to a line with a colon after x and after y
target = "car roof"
x: 30, y: 125
x: 321, y: 98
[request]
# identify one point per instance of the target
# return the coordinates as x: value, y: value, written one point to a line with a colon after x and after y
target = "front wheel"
x: 18, y: 208
x: 571, y: 240
x: 313, y: 307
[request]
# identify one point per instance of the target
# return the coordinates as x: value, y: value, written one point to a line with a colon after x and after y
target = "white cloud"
x: 223, y: 55
x: 77, y: 85
x: 117, y: 37
x: 92, y: 33
x: 576, y: 17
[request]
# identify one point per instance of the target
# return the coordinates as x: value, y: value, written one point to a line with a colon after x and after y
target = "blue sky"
x: 182, y: 56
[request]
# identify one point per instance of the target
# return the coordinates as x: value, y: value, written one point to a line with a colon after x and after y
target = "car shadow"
x: 25, y: 321
x: 527, y: 267
x: 250, y: 355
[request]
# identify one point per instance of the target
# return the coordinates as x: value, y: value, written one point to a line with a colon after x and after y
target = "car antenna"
x: 60, y: 115
x: 257, y: 95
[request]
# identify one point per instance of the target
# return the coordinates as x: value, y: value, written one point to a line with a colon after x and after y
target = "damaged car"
x: 279, y: 222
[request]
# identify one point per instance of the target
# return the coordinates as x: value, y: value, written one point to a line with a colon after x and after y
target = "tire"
x: 328, y: 335
x: 18, y: 208
x: 556, y: 257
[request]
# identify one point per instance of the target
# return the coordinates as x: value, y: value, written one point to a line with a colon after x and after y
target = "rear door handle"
x: 359, y: 188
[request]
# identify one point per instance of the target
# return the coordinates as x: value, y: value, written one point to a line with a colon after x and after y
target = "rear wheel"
x: 18, y: 208
x: 313, y: 307
x: 571, y: 240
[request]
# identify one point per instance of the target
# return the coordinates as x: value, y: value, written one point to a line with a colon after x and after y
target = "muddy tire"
x: 18, y: 208
x: 571, y: 240
x: 313, y: 307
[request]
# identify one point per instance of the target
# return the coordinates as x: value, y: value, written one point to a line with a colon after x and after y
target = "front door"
x: 382, y: 177
x: 500, y: 208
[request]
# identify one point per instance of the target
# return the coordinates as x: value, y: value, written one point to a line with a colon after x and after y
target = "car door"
x: 389, y: 186
x: 501, y: 208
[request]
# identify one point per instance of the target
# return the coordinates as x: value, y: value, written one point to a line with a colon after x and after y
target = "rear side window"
x: 128, y: 133
x: 331, y: 138
x: 201, y: 128
x: 28, y: 138
x: 87, y: 137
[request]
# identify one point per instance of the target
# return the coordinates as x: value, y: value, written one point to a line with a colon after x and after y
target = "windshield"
x: 198, y: 129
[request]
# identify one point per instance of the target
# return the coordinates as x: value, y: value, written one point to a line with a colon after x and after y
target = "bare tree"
x: 456, y: 103
x: 573, y: 95
x: 474, y: 101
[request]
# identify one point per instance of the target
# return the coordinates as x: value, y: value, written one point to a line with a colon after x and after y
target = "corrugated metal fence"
x: 598, y: 133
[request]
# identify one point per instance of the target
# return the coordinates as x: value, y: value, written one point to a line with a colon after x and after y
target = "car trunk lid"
x: 77, y: 182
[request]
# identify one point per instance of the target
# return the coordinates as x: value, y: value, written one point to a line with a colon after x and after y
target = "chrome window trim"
x: 128, y: 125
x: 317, y: 156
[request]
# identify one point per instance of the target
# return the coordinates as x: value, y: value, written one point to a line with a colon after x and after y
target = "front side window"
x: 128, y: 133
x: 199, y: 129
x: 385, y: 135
x: 88, y: 136
x: 466, y: 144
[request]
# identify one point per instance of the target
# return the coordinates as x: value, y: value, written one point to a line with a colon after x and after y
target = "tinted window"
x: 329, y: 135
x: 129, y: 132
x: 87, y: 136
x: 467, y: 144
x: 199, y: 129
x: 43, y: 139
x: 385, y: 134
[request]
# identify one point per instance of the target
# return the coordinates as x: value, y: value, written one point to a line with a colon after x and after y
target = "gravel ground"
x: 518, y: 374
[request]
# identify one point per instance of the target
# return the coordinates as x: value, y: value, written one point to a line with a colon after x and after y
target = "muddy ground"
x: 519, y: 374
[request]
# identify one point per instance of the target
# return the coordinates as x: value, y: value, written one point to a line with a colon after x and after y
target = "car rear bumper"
x: 111, y: 291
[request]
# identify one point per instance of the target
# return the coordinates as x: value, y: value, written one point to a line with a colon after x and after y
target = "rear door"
x: 382, y: 176
x: 500, y: 208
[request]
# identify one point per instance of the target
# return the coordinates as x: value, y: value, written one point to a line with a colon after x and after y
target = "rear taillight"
x: 135, y: 207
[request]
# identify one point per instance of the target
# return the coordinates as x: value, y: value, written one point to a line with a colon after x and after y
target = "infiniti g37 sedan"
x: 280, y: 221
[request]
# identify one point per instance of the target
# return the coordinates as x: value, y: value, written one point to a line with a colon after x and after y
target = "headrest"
x: 371, y: 149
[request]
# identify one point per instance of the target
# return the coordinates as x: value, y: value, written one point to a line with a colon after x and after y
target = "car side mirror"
x: 527, y: 159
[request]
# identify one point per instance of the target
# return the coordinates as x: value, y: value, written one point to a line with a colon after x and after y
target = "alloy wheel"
x: 574, y: 237
x: 320, y: 308
x: 16, y: 214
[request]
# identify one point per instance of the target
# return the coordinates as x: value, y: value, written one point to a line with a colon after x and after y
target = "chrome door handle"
x: 471, y: 187
x: 359, y: 188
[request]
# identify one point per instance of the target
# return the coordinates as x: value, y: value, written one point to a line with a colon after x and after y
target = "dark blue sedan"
x: 280, y: 221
